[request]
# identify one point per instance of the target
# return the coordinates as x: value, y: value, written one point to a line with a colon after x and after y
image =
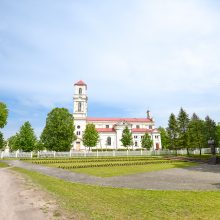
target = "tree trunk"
x: 187, y: 151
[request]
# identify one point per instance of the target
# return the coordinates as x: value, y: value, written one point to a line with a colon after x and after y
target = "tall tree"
x: 58, y: 134
x: 164, y: 138
x: 90, y: 136
x: 218, y: 134
x: 3, y: 114
x: 26, y: 139
x: 13, y: 142
x: 196, y: 133
x: 1, y: 141
x: 183, y: 123
x: 146, y: 141
x: 126, y: 138
x: 172, y: 131
x: 210, y: 130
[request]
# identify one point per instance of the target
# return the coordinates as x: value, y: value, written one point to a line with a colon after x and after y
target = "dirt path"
x: 21, y: 200
x: 200, y: 177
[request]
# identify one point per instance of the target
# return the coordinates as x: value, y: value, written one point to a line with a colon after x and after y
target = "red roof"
x: 144, y: 130
x: 141, y: 130
x: 80, y: 83
x: 105, y: 129
x: 120, y: 119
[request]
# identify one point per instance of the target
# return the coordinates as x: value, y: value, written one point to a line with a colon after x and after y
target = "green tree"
x: 1, y: 141
x: 90, y: 136
x: 196, y: 133
x: 183, y: 123
x: 58, y: 134
x: 218, y: 134
x: 172, y: 132
x: 26, y: 139
x: 210, y: 130
x: 164, y: 137
x: 3, y: 114
x: 39, y: 146
x: 13, y: 142
x: 146, y: 141
x: 126, y: 137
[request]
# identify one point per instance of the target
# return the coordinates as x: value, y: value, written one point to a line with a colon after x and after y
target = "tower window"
x: 79, y: 107
x: 78, y: 126
x: 107, y: 126
x: 109, y: 141
x: 136, y: 143
x: 80, y: 91
x: 78, y: 133
x: 137, y: 126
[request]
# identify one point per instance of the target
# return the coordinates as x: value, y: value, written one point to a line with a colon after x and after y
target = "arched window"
x: 80, y: 91
x: 79, y: 106
x: 109, y: 141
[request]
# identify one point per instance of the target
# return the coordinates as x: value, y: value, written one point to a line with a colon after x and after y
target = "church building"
x: 110, y: 129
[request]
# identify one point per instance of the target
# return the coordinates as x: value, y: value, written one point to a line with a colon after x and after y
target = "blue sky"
x: 133, y: 54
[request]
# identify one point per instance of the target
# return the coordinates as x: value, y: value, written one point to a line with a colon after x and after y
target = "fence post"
x: 54, y: 154
x: 38, y: 154
x: 97, y: 153
x: 70, y: 153
x: 16, y: 154
x: 113, y: 153
x: 141, y: 152
x: 85, y: 153
x: 31, y: 154
x: 127, y: 152
x: 2, y: 154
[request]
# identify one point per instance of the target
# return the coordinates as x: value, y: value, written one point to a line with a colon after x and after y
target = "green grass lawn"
x: 3, y: 165
x: 126, y: 170
x: 95, y: 202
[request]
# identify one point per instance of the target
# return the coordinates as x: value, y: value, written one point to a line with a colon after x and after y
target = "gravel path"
x: 19, y: 200
x: 200, y: 177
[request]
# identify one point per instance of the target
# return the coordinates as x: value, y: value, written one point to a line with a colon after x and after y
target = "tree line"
x: 58, y: 134
x: 188, y: 133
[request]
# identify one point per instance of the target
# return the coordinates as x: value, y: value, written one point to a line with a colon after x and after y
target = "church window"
x: 79, y: 106
x: 137, y: 126
x: 150, y: 126
x: 107, y: 126
x: 135, y: 137
x: 109, y: 141
x: 78, y: 133
x: 78, y: 127
x: 136, y: 143
x: 80, y: 91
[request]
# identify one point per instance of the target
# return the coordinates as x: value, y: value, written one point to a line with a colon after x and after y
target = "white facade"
x: 110, y: 129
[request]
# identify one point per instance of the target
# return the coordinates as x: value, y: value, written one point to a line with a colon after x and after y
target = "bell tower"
x: 80, y: 107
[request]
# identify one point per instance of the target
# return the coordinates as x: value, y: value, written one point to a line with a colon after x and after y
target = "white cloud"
x: 136, y: 54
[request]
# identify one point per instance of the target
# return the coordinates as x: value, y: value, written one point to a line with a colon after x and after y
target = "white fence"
x: 53, y: 154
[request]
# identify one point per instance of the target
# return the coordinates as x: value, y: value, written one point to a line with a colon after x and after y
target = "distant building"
x: 110, y: 129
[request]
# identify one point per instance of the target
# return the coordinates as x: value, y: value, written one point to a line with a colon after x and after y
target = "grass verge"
x: 3, y: 165
x: 95, y: 202
x: 126, y: 170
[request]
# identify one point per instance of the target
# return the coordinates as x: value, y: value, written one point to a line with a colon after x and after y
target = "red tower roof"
x: 80, y: 83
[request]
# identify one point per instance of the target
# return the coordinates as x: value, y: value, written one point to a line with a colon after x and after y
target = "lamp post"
x: 211, y: 144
